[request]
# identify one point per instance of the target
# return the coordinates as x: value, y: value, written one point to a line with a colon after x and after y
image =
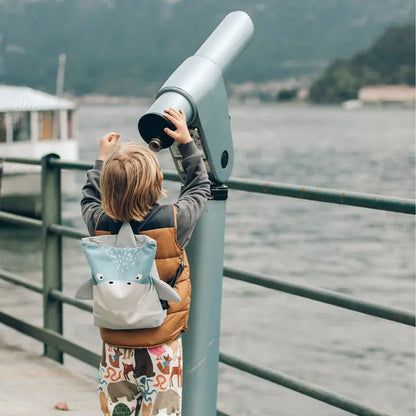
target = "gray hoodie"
x: 190, y: 204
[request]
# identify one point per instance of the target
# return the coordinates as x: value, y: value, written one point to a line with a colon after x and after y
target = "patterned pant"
x: 141, y: 382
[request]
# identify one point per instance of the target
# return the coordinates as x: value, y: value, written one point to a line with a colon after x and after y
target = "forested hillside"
x: 391, y: 60
x: 130, y: 47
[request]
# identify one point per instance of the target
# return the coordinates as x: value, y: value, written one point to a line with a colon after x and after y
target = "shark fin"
x: 84, y: 290
x: 125, y: 237
x: 165, y: 291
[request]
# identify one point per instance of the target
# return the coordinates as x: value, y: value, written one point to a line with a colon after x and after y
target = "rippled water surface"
x: 356, y: 251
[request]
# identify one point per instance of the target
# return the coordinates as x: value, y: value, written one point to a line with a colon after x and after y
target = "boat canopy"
x: 28, y: 115
x: 14, y: 98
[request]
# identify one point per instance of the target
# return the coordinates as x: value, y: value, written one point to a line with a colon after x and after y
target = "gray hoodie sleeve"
x: 91, y: 197
x: 190, y: 204
x: 194, y: 193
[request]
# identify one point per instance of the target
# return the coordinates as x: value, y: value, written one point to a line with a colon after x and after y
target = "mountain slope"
x: 131, y: 47
x: 391, y: 60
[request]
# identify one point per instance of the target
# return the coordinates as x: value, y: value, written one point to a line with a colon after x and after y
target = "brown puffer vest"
x: 159, y: 224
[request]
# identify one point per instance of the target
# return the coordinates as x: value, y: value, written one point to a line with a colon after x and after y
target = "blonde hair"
x: 130, y: 182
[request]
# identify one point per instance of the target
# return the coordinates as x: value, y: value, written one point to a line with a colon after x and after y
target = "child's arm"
x: 91, y: 194
x: 196, y: 189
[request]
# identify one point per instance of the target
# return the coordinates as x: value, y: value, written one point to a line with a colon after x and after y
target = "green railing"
x: 52, y: 232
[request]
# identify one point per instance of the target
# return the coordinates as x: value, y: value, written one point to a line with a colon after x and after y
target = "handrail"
x: 22, y: 160
x: 334, y: 196
x: 54, y: 296
x: 326, y: 296
x: 322, y: 295
x: 65, y: 231
x: 69, y: 300
x: 301, y: 386
x: 20, y: 220
x: 51, y: 338
x: 19, y: 281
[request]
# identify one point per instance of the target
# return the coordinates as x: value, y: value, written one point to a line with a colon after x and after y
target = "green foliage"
x: 391, y: 60
x: 130, y: 47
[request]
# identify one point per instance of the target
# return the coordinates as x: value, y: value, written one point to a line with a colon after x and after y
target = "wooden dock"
x: 31, y: 384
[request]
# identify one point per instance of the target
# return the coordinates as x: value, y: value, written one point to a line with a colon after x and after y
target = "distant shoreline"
x: 109, y: 99
x: 104, y: 100
x: 276, y: 93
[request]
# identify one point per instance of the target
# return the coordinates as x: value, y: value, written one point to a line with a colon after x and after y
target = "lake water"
x: 360, y: 252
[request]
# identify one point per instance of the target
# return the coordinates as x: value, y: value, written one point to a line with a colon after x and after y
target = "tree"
x: 391, y: 60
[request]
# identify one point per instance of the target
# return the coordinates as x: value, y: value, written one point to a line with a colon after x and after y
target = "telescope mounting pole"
x: 201, y: 343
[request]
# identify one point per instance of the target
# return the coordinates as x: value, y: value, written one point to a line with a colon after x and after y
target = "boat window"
x: 48, y: 125
x: 2, y: 128
x: 21, y: 126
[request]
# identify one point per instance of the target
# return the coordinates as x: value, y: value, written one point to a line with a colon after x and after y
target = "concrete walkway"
x: 31, y: 384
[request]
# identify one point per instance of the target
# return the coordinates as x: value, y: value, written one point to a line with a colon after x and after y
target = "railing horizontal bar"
x: 335, y: 196
x: 325, y: 296
x: 66, y: 231
x: 357, y: 199
x: 322, y: 295
x: 363, y: 200
x: 22, y: 160
x: 171, y: 175
x: 52, y: 339
x: 19, y: 220
x: 302, y: 387
x: 19, y: 281
x: 64, y: 164
x: 58, y: 295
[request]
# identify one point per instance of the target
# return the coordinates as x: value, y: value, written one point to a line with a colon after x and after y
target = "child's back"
x: 129, y: 191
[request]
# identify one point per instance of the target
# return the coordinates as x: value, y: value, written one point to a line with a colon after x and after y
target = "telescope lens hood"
x: 151, y: 128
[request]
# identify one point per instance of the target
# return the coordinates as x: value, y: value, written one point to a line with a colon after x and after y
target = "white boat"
x: 32, y: 124
x: 352, y: 104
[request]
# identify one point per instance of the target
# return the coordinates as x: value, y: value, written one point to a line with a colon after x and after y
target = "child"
x: 142, y: 369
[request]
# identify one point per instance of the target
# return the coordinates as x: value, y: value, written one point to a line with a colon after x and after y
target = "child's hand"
x: 178, y: 119
x: 107, y: 144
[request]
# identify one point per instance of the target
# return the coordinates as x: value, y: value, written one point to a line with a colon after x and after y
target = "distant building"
x: 286, y: 90
x: 387, y: 93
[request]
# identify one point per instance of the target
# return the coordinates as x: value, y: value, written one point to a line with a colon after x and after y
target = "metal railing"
x: 52, y: 232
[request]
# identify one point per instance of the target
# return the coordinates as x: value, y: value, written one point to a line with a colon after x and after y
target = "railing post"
x: 51, y: 251
x: 201, y: 342
x: 1, y: 177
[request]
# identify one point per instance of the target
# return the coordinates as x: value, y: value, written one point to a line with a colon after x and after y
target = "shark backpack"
x: 125, y: 287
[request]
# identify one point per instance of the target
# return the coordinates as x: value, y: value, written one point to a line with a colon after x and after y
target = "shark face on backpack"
x: 125, y: 285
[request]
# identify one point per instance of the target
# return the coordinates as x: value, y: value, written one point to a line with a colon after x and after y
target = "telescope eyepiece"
x: 151, y: 128
x: 155, y: 144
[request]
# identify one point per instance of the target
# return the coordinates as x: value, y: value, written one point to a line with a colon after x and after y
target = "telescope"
x: 197, y: 87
